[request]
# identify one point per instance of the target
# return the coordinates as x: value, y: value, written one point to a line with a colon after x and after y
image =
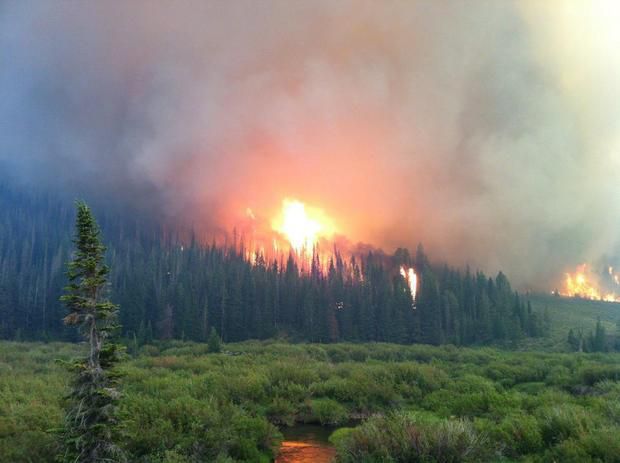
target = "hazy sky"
x: 488, y: 130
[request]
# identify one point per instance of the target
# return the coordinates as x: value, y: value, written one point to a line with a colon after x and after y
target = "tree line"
x: 169, y: 287
x: 594, y: 341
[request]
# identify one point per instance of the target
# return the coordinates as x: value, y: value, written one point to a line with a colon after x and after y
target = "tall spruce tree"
x: 91, y: 425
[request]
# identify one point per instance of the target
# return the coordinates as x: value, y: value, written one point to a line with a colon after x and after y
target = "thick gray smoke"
x: 480, y: 128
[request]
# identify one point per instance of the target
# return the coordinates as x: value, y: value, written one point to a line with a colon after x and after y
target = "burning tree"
x: 91, y: 424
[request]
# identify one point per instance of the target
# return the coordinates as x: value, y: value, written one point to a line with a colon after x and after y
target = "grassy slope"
x: 569, y: 313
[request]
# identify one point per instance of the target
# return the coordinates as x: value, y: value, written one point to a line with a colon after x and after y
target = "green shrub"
x: 603, y: 444
x: 339, y: 436
x: 327, y: 411
x: 562, y: 422
x: 316, y: 352
x: 592, y: 374
x: 530, y: 388
x: 358, y: 353
x: 291, y: 372
x: 568, y: 451
x: 560, y: 376
x: 409, y: 438
x: 149, y: 350
x: 251, y: 387
x: 469, y: 396
x: 427, y: 378
x: 337, y: 354
x: 454, y: 441
x: 281, y: 411
x: 171, y: 456
x: 519, y: 435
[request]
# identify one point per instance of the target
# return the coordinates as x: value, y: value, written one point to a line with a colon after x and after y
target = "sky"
x: 487, y: 130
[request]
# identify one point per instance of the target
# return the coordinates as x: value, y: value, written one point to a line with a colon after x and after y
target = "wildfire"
x: 412, y: 280
x: 587, y: 284
x: 302, y: 226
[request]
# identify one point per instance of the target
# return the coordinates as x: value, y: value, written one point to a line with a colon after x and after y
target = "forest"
x: 174, y: 287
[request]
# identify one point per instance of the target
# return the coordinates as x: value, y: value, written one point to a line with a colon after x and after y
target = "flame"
x: 587, y: 284
x: 302, y: 226
x: 412, y: 280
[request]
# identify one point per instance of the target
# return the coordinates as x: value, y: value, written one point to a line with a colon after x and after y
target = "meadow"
x: 408, y: 403
x: 573, y: 313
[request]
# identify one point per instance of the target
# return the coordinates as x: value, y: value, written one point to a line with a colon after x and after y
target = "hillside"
x: 573, y: 313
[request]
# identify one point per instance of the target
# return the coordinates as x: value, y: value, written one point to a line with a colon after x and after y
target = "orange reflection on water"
x: 305, y: 452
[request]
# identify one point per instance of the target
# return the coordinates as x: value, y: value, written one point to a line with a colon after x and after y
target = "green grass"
x: 181, y: 404
x: 576, y: 313
x: 572, y: 313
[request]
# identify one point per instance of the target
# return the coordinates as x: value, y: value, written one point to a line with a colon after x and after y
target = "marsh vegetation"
x: 415, y: 403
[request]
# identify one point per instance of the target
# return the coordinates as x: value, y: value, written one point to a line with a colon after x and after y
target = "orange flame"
x: 412, y: 280
x: 302, y: 226
x: 586, y: 284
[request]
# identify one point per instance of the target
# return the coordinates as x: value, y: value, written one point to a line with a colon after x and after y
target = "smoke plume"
x: 487, y: 130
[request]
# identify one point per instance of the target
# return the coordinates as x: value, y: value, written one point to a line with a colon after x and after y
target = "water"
x: 306, y: 443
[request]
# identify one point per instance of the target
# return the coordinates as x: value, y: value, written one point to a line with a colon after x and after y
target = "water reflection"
x: 306, y: 444
x: 304, y: 452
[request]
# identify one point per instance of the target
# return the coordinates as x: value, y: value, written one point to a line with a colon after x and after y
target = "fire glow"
x: 302, y: 226
x: 412, y: 280
x: 308, y: 235
x: 587, y: 284
x: 295, y: 229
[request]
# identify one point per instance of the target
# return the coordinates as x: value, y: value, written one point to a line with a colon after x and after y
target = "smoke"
x: 486, y: 130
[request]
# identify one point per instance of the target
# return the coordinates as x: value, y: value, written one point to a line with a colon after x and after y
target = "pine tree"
x: 429, y: 308
x: 599, y: 340
x: 91, y: 425
x: 214, y: 344
x: 573, y: 341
